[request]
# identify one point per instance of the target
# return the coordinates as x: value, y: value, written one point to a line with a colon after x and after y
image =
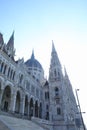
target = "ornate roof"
x: 32, y: 62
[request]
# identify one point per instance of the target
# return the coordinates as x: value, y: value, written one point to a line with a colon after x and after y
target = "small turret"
x: 1, y: 40
x: 10, y: 46
x: 55, y: 66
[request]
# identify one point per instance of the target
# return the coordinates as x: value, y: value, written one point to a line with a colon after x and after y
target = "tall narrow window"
x: 58, y: 111
x: 58, y: 75
x: 9, y: 71
x: 13, y: 75
x: 55, y: 73
x: 4, y: 69
x: 21, y: 79
x: 56, y: 91
x: 46, y: 95
x: 2, y: 65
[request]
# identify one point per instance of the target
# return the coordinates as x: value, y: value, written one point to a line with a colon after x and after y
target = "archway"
x: 26, y: 105
x: 31, y: 107
x: 36, y: 109
x: 17, y: 106
x: 6, y: 99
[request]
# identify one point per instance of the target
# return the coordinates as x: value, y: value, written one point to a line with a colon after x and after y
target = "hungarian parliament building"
x: 26, y: 93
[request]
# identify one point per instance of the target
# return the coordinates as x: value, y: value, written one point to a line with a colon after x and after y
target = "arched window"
x: 2, y: 65
x: 55, y: 73
x: 13, y: 75
x: 58, y: 111
x: 59, y: 75
x: 21, y: 79
x: 4, y: 69
x: 47, y: 107
x: 46, y: 95
x: 56, y: 91
x: 9, y: 71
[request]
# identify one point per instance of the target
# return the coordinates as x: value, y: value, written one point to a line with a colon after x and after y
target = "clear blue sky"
x: 37, y: 22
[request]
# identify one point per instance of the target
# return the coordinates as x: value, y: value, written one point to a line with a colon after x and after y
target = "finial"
x: 53, y: 48
x: 32, y: 56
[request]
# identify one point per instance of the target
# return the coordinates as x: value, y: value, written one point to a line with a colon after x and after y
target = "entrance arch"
x: 17, y: 106
x: 6, y: 99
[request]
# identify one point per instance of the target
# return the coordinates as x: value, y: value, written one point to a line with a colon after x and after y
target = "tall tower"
x: 55, y: 88
x: 58, y: 96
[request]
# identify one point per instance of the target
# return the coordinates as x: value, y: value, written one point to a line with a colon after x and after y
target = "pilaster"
x: 13, y: 102
x: 22, y: 105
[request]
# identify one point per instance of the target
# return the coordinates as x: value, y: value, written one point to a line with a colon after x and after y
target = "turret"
x: 55, y: 87
x: 55, y: 66
x: 10, y: 46
x: 1, y: 40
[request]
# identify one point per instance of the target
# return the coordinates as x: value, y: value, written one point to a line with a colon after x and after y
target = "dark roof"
x: 32, y: 62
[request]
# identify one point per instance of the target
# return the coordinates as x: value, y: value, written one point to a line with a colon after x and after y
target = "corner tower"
x: 55, y: 90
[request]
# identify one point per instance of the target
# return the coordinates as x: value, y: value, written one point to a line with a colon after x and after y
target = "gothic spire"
x: 65, y: 72
x: 1, y: 39
x: 54, y: 56
x: 10, y: 46
x: 32, y: 56
x: 53, y: 47
x: 10, y: 43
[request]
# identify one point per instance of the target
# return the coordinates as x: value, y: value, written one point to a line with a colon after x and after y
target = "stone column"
x: 34, y: 109
x: 28, y: 109
x: 22, y: 105
x: 13, y: 102
x: 38, y: 112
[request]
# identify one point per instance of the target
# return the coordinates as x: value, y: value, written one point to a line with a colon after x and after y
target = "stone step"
x: 19, y: 124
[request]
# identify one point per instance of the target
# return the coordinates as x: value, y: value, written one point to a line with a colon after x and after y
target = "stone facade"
x: 24, y: 90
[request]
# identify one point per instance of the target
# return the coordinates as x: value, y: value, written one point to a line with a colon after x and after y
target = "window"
x: 5, y: 69
x: 21, y: 79
x: 2, y: 65
x: 13, y: 75
x: 59, y: 77
x: 57, y: 100
x: 47, y: 107
x: 56, y: 91
x: 46, y: 95
x: 55, y: 73
x: 9, y: 71
x: 58, y: 111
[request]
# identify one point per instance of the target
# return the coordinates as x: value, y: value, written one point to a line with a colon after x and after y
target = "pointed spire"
x: 1, y: 39
x: 10, y: 46
x: 65, y: 72
x: 54, y: 56
x: 32, y: 56
x: 10, y: 43
x: 53, y: 47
